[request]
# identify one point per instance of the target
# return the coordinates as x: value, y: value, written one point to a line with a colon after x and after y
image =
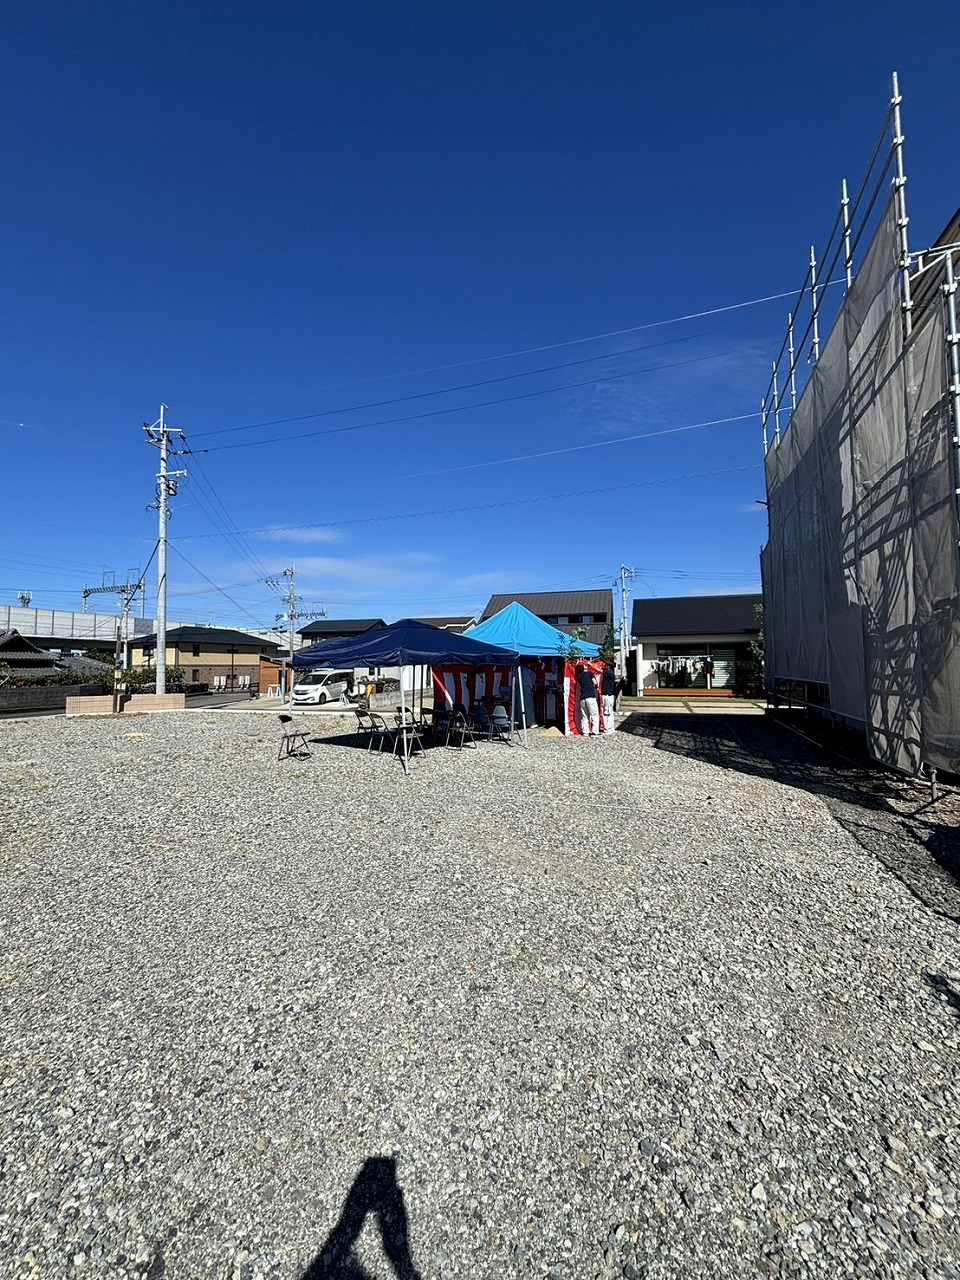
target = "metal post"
x: 776, y: 405
x: 793, y: 364
x: 953, y: 365
x: 763, y: 423
x: 815, y: 315
x: 899, y: 185
x: 847, y: 254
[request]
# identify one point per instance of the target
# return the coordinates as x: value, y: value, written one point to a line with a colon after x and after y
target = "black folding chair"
x: 460, y: 729
x: 293, y: 742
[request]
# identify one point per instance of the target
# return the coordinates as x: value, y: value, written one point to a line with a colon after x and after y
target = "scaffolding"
x: 862, y: 463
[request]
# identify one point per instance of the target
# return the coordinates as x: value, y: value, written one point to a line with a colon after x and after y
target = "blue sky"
x: 365, y: 253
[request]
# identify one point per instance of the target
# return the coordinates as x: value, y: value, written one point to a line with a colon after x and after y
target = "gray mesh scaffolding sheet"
x: 860, y: 573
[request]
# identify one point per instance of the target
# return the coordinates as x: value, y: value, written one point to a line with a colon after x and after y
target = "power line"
x: 442, y: 391
x: 482, y: 404
x: 556, y: 346
x: 576, y: 448
x: 221, y: 590
x: 495, y: 506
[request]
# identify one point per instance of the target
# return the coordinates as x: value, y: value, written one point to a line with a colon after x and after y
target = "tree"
x: 608, y: 650
x: 571, y: 649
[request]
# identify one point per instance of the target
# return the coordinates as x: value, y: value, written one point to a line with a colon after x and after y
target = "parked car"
x: 315, y: 688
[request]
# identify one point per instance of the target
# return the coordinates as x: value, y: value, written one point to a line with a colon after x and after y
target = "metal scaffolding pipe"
x: 953, y: 364
x: 899, y: 185
x: 847, y: 251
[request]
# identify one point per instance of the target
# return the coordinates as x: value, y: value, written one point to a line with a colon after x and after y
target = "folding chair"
x: 365, y: 727
x: 500, y: 725
x: 380, y: 730
x: 293, y: 742
x: 407, y: 729
x: 481, y: 721
x: 460, y: 727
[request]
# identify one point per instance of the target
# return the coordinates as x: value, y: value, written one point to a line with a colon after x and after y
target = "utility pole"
x: 626, y: 575
x: 159, y: 435
x: 293, y: 615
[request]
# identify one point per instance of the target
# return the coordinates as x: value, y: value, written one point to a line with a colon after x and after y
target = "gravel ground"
x: 638, y: 1006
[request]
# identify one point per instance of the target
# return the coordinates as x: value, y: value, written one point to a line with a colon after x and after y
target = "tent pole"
x: 403, y: 724
x: 523, y: 710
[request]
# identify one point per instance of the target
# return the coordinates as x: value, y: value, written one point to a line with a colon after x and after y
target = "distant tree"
x: 571, y: 649
x: 608, y: 650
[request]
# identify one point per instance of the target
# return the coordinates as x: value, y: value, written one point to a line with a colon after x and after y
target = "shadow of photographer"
x: 375, y: 1190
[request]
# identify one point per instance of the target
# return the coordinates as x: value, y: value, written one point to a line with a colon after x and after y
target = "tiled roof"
x: 328, y: 627
x: 205, y: 635
x: 449, y: 624
x: 13, y: 642
x: 562, y: 603
x: 696, y: 615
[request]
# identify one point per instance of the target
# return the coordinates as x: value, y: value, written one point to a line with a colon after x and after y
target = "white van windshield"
x: 314, y: 677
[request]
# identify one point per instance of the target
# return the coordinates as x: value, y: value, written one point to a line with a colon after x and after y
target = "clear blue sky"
x: 255, y: 212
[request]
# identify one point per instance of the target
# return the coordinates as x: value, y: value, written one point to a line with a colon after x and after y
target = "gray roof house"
x: 568, y: 610
x: 339, y: 628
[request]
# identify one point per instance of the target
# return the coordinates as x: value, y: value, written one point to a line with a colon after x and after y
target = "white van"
x: 314, y: 688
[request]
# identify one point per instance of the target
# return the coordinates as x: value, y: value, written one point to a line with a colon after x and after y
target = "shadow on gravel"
x: 945, y: 988
x: 890, y: 817
x: 375, y: 1191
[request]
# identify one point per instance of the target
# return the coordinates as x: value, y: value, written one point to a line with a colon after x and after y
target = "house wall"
x: 212, y: 666
x: 647, y: 652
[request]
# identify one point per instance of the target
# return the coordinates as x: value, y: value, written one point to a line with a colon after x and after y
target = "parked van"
x: 317, y: 687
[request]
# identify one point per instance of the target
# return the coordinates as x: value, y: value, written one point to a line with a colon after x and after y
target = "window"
x: 195, y: 675
x: 562, y: 620
x: 587, y: 619
x: 196, y: 651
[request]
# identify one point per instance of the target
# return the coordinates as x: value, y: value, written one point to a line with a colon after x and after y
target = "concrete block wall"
x: 136, y: 702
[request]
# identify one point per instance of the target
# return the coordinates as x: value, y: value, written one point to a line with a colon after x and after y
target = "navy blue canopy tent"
x: 406, y: 643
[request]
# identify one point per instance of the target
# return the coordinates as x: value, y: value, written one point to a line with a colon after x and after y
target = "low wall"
x: 136, y: 702
x: 52, y: 699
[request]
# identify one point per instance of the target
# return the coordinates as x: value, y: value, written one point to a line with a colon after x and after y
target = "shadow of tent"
x: 374, y: 1191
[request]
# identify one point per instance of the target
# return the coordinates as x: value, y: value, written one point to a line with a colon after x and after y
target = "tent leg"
x: 403, y: 726
x: 523, y: 709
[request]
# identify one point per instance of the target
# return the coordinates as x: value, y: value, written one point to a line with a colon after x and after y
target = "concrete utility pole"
x: 159, y: 435
x: 626, y: 575
x: 292, y: 616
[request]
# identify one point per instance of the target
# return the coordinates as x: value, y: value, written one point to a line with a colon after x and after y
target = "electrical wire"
x: 482, y: 404
x: 577, y: 448
x: 442, y: 391
x: 220, y: 590
x: 492, y: 506
x: 551, y: 346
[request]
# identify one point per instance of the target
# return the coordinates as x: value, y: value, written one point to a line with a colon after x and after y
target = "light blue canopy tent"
x: 521, y: 631
x: 515, y: 627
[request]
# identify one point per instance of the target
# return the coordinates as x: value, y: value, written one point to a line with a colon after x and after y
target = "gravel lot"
x: 647, y: 1005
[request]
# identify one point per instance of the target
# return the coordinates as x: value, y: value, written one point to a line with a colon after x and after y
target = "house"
x: 338, y: 629
x: 214, y: 656
x: 22, y: 660
x: 457, y: 625
x: 687, y: 645
x: 588, y: 611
